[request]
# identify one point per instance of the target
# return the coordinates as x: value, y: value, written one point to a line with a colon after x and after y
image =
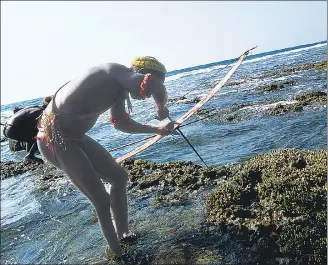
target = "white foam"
x: 303, y: 49
x: 6, y: 114
x: 194, y: 72
x: 261, y: 108
x: 259, y: 59
x: 17, y: 199
x: 284, y: 53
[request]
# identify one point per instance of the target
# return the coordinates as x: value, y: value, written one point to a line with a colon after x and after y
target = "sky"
x: 44, y: 44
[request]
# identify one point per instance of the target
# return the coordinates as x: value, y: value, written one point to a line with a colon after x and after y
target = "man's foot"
x: 33, y: 159
x: 128, y: 238
x: 111, y: 256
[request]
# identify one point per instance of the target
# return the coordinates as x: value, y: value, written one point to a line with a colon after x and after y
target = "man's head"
x: 153, y: 83
x: 148, y: 64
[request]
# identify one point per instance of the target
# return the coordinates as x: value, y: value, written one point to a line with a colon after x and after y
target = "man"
x: 21, y: 130
x: 74, y: 110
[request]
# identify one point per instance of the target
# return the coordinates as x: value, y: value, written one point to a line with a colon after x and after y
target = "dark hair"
x: 46, y: 101
x: 16, y: 109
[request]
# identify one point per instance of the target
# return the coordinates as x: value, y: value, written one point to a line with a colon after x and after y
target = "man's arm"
x: 121, y: 121
x: 159, y: 94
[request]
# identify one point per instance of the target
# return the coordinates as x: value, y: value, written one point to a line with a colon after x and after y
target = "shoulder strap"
x: 53, y: 99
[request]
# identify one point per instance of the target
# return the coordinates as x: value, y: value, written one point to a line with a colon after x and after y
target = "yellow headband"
x: 150, y: 63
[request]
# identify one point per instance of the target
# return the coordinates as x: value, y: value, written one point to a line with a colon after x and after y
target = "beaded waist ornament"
x: 52, y: 135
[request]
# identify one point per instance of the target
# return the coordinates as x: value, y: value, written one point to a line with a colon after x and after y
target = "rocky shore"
x: 272, y: 206
x: 277, y: 202
x: 268, y: 210
x: 300, y: 101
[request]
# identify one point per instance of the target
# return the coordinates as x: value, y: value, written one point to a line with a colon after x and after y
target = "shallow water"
x: 52, y: 226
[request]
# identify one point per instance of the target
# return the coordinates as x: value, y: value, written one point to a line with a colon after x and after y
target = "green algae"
x: 274, y: 204
x: 278, y: 198
x: 43, y: 188
x: 312, y: 97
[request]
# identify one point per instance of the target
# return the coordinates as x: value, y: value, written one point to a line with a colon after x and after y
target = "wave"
x: 17, y: 191
x: 6, y: 115
x: 259, y: 59
x: 251, y: 58
x: 194, y: 72
x: 260, y: 108
x: 284, y: 53
x: 304, y: 49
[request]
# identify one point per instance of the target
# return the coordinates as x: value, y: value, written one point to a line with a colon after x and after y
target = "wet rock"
x: 281, y: 109
x: 229, y: 114
x: 312, y: 97
x: 43, y: 188
x: 184, y: 98
x: 173, y: 100
x: 215, y: 173
x: 195, y: 100
x: 289, y: 70
x: 218, y: 115
x: 234, y: 83
x: 302, y: 100
x: 9, y: 169
x: 276, y: 86
x: 273, y: 204
x: 151, y: 181
x: 205, y: 112
x: 174, y: 180
x: 280, y: 201
x: 209, y: 257
x: 172, y: 256
x: 45, y: 173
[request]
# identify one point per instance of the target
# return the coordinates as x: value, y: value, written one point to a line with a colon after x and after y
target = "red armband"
x: 115, y: 121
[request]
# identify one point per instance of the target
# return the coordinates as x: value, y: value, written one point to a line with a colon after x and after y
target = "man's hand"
x: 167, y: 129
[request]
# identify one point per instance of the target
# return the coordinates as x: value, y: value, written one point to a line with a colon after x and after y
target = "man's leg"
x: 110, y: 171
x: 80, y: 171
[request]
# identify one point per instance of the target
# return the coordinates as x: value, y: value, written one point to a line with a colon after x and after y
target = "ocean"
x: 32, y: 231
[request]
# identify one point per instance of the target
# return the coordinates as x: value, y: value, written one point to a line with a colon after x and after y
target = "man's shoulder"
x: 107, y: 68
x: 117, y: 67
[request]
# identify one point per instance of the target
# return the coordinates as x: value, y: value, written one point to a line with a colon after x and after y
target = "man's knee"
x: 101, y: 200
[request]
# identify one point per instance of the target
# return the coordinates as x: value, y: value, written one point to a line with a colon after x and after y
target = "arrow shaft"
x: 193, y: 148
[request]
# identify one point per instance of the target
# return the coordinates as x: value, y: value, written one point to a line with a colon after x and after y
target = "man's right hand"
x: 167, y: 129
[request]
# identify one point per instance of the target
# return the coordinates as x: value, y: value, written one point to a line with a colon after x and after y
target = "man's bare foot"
x: 111, y: 256
x: 128, y: 238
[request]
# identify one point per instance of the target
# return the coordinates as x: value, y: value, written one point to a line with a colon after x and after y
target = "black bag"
x: 22, y: 126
